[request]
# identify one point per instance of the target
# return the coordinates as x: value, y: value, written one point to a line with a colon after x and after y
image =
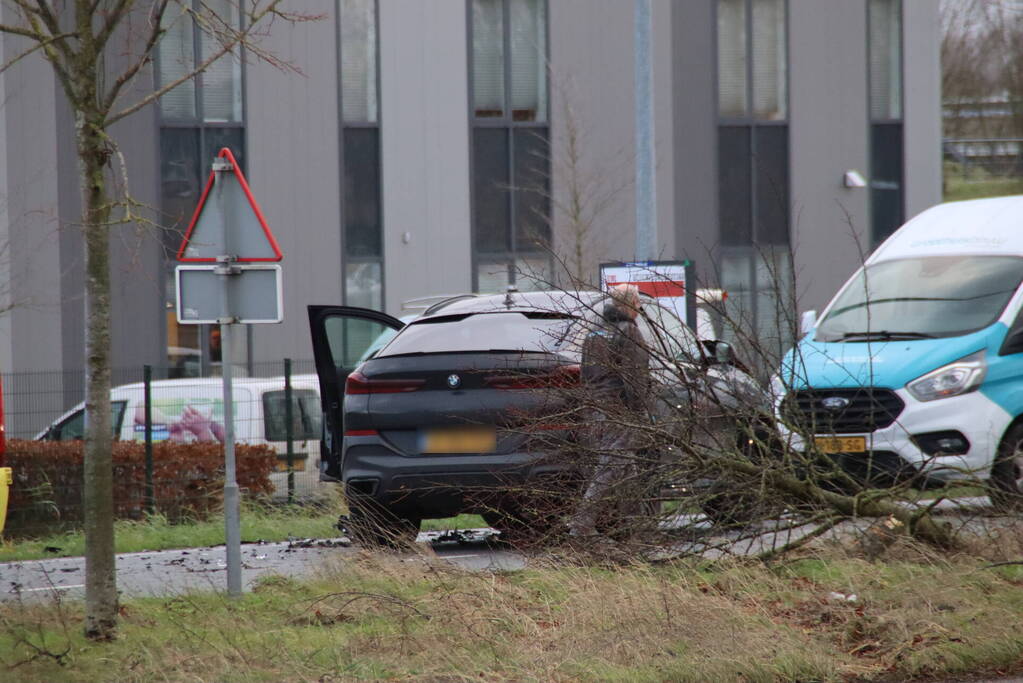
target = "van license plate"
x: 459, y: 440
x: 841, y: 444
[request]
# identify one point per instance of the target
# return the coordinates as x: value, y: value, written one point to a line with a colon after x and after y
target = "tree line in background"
x: 982, y: 68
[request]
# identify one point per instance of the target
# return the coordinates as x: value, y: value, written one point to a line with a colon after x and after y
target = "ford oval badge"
x: 834, y: 403
x: 454, y: 381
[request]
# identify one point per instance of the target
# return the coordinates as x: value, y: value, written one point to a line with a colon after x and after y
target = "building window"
x: 886, y: 138
x: 197, y: 119
x: 361, y: 213
x: 753, y: 161
x: 510, y: 154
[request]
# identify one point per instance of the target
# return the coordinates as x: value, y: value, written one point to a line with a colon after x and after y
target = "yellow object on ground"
x: 6, y: 479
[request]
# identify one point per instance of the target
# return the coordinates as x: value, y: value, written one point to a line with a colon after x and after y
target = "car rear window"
x: 505, y: 331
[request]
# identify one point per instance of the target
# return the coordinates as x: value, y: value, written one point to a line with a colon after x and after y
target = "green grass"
x: 459, y: 522
x: 386, y: 617
x: 156, y: 533
x: 978, y: 184
x: 259, y: 522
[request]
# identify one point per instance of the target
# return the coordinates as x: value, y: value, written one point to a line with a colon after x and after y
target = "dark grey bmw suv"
x: 442, y: 419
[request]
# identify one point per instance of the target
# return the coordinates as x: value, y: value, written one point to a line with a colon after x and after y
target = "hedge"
x: 188, y: 479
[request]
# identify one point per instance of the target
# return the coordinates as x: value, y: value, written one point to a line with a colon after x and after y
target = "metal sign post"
x: 231, y: 232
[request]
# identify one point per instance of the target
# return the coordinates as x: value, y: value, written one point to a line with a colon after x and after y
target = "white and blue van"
x: 914, y: 371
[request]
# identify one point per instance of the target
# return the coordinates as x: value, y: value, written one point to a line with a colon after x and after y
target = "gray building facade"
x: 446, y: 146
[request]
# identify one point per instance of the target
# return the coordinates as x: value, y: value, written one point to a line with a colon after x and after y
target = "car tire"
x: 372, y: 524
x: 1005, y: 488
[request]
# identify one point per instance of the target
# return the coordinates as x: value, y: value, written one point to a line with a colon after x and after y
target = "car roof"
x: 207, y: 382
x: 571, y: 302
x: 977, y: 226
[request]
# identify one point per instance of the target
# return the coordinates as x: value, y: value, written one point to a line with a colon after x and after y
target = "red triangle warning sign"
x: 228, y: 221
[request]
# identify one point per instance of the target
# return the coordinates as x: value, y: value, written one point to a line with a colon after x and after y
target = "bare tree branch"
x: 39, y: 45
x: 156, y: 32
x: 113, y: 19
x: 229, y: 39
x: 60, y: 66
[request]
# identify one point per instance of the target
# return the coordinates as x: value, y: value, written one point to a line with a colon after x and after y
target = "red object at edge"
x: 659, y: 288
x: 225, y: 153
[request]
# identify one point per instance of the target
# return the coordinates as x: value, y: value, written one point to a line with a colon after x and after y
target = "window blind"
x: 885, y: 59
x: 769, y: 60
x: 358, y: 60
x: 177, y: 58
x: 528, y: 60
x: 732, y: 101
x: 488, y: 57
x: 221, y: 91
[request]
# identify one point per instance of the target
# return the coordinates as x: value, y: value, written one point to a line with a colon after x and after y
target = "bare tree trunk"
x: 100, y: 575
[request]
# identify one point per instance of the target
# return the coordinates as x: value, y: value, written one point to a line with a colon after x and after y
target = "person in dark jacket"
x: 616, y: 376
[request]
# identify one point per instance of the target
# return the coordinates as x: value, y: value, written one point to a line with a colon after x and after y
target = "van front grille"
x: 841, y: 411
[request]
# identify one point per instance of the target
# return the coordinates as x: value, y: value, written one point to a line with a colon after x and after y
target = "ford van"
x: 191, y: 410
x: 914, y: 371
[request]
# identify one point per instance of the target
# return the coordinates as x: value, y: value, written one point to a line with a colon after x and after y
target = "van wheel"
x: 371, y: 524
x: 1005, y: 489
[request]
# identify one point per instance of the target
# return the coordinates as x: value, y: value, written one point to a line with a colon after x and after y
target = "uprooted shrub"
x: 703, y: 446
x: 188, y: 480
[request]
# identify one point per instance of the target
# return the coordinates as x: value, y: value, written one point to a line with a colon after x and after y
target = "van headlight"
x: 958, y: 377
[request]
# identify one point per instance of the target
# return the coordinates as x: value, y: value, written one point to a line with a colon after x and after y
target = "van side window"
x: 1014, y: 337
x: 73, y: 428
x: 305, y: 414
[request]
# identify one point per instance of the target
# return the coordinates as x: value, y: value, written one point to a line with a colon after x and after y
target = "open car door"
x: 343, y: 336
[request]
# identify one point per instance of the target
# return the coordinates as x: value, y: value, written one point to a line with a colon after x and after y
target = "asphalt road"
x: 171, y: 572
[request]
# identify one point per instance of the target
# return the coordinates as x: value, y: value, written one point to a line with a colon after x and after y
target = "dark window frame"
x: 754, y: 251
x: 876, y: 126
x: 753, y: 124
x: 348, y: 259
x: 198, y: 124
x: 510, y: 125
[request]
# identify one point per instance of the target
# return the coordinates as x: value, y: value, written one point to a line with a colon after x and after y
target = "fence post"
x: 147, y: 377
x: 289, y: 429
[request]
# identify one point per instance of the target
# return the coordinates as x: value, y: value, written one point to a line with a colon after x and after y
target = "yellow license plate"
x: 841, y: 444
x: 460, y: 440
x: 298, y: 464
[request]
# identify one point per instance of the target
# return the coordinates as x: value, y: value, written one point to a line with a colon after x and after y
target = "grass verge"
x: 259, y: 522
x: 978, y: 184
x: 269, y: 523
x: 386, y: 617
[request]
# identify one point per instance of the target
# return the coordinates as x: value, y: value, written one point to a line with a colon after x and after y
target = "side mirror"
x: 807, y: 322
x: 723, y: 353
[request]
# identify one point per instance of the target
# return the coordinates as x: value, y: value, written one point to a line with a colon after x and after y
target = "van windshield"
x: 939, y: 296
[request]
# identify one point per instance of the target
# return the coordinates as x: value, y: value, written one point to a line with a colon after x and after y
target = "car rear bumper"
x: 431, y: 486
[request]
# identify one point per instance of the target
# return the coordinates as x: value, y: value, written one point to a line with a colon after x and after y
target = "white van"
x: 914, y: 371
x: 192, y: 410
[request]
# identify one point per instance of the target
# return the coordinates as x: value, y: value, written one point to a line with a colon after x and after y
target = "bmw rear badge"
x: 454, y: 381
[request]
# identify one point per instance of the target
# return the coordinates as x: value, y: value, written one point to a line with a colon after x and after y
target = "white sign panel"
x: 662, y: 280
x: 253, y: 295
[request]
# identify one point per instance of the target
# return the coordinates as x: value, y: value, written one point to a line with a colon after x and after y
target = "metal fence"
x: 50, y: 406
x: 982, y: 158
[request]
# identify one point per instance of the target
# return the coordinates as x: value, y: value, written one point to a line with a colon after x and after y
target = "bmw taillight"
x: 562, y: 377
x: 358, y: 383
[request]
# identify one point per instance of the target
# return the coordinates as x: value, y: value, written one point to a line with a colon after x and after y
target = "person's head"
x: 626, y: 299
